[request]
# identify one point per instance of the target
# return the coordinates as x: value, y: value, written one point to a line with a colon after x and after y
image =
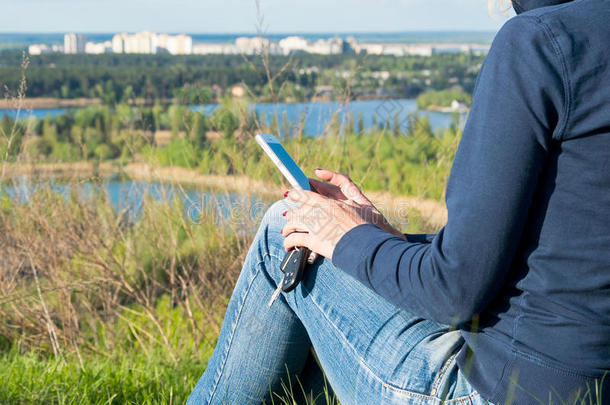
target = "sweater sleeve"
x: 519, y: 104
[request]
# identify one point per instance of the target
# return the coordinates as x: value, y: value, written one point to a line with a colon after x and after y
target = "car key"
x: 293, y: 267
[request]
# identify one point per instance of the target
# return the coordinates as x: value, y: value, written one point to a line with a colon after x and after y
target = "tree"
x: 199, y: 129
x: 176, y: 116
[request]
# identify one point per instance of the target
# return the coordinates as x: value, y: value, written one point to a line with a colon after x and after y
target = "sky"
x: 240, y: 16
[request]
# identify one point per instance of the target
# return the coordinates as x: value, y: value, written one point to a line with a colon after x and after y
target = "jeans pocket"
x: 452, y: 387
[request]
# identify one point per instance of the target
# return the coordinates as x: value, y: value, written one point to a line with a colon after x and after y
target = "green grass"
x: 128, y: 365
x: 123, y: 378
x: 97, y: 310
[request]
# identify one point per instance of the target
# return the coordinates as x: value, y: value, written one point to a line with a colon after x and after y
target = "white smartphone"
x: 274, y: 149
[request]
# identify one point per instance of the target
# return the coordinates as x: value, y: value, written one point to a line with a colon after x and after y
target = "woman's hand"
x: 323, y: 218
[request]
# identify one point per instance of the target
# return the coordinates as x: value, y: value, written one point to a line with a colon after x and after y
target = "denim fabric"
x: 371, y: 351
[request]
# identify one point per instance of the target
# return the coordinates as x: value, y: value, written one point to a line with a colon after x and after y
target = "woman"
x: 521, y: 269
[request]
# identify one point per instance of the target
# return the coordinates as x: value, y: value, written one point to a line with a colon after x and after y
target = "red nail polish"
x: 284, y: 214
x: 282, y: 232
x: 318, y: 168
x: 286, y: 194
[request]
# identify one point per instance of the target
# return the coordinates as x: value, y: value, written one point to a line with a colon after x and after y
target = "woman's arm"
x: 519, y: 104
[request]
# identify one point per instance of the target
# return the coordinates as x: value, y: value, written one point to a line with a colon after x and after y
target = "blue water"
x: 317, y: 115
x: 128, y: 198
x: 38, y: 112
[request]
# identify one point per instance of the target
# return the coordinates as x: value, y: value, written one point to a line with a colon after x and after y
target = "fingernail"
x: 286, y: 194
x: 282, y: 232
x: 284, y: 214
x: 318, y: 168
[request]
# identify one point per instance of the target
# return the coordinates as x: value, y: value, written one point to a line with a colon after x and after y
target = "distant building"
x: 215, y: 49
x: 74, y: 43
x: 372, y: 49
x: 38, y: 49
x: 175, y: 45
x: 352, y: 45
x: 150, y: 43
x: 142, y: 42
x: 97, y: 48
x: 420, y: 49
x: 118, y: 43
x: 332, y: 46
x: 256, y: 45
x: 293, y: 45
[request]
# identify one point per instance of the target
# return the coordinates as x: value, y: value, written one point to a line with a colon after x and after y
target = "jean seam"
x: 379, y: 379
x: 441, y: 375
x: 240, y: 306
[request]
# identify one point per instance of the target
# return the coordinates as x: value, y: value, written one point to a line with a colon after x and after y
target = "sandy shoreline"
x: 432, y: 211
x: 447, y: 110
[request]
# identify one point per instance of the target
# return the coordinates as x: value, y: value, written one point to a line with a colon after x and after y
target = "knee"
x: 274, y: 216
x: 269, y: 238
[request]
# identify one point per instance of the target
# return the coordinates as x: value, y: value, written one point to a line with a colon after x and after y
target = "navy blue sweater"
x: 522, y: 266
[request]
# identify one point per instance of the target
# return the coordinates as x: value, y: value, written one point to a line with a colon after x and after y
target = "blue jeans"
x: 370, y: 351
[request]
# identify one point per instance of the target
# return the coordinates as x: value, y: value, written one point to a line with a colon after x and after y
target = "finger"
x: 306, y: 197
x: 299, y: 220
x: 327, y: 190
x: 294, y: 225
x: 296, y: 239
x: 345, y: 184
x: 288, y: 230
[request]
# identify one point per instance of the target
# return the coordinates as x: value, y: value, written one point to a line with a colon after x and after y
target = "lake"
x: 317, y: 114
x: 128, y: 198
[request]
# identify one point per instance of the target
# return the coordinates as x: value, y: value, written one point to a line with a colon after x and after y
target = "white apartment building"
x: 38, y: 49
x: 175, y: 45
x: 151, y: 43
x: 332, y: 46
x: 256, y: 45
x: 98, y: 48
x: 372, y: 49
x: 215, y: 49
x: 293, y: 44
x: 74, y: 43
x: 142, y: 42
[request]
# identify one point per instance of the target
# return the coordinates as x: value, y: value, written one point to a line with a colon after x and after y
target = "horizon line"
x: 252, y: 33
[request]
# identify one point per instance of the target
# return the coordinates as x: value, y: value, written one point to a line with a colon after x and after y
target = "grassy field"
x: 96, y: 308
x: 123, y: 378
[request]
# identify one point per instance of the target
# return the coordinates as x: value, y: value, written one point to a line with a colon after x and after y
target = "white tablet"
x: 274, y: 149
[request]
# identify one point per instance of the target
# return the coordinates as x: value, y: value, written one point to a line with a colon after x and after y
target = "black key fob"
x: 293, y: 267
